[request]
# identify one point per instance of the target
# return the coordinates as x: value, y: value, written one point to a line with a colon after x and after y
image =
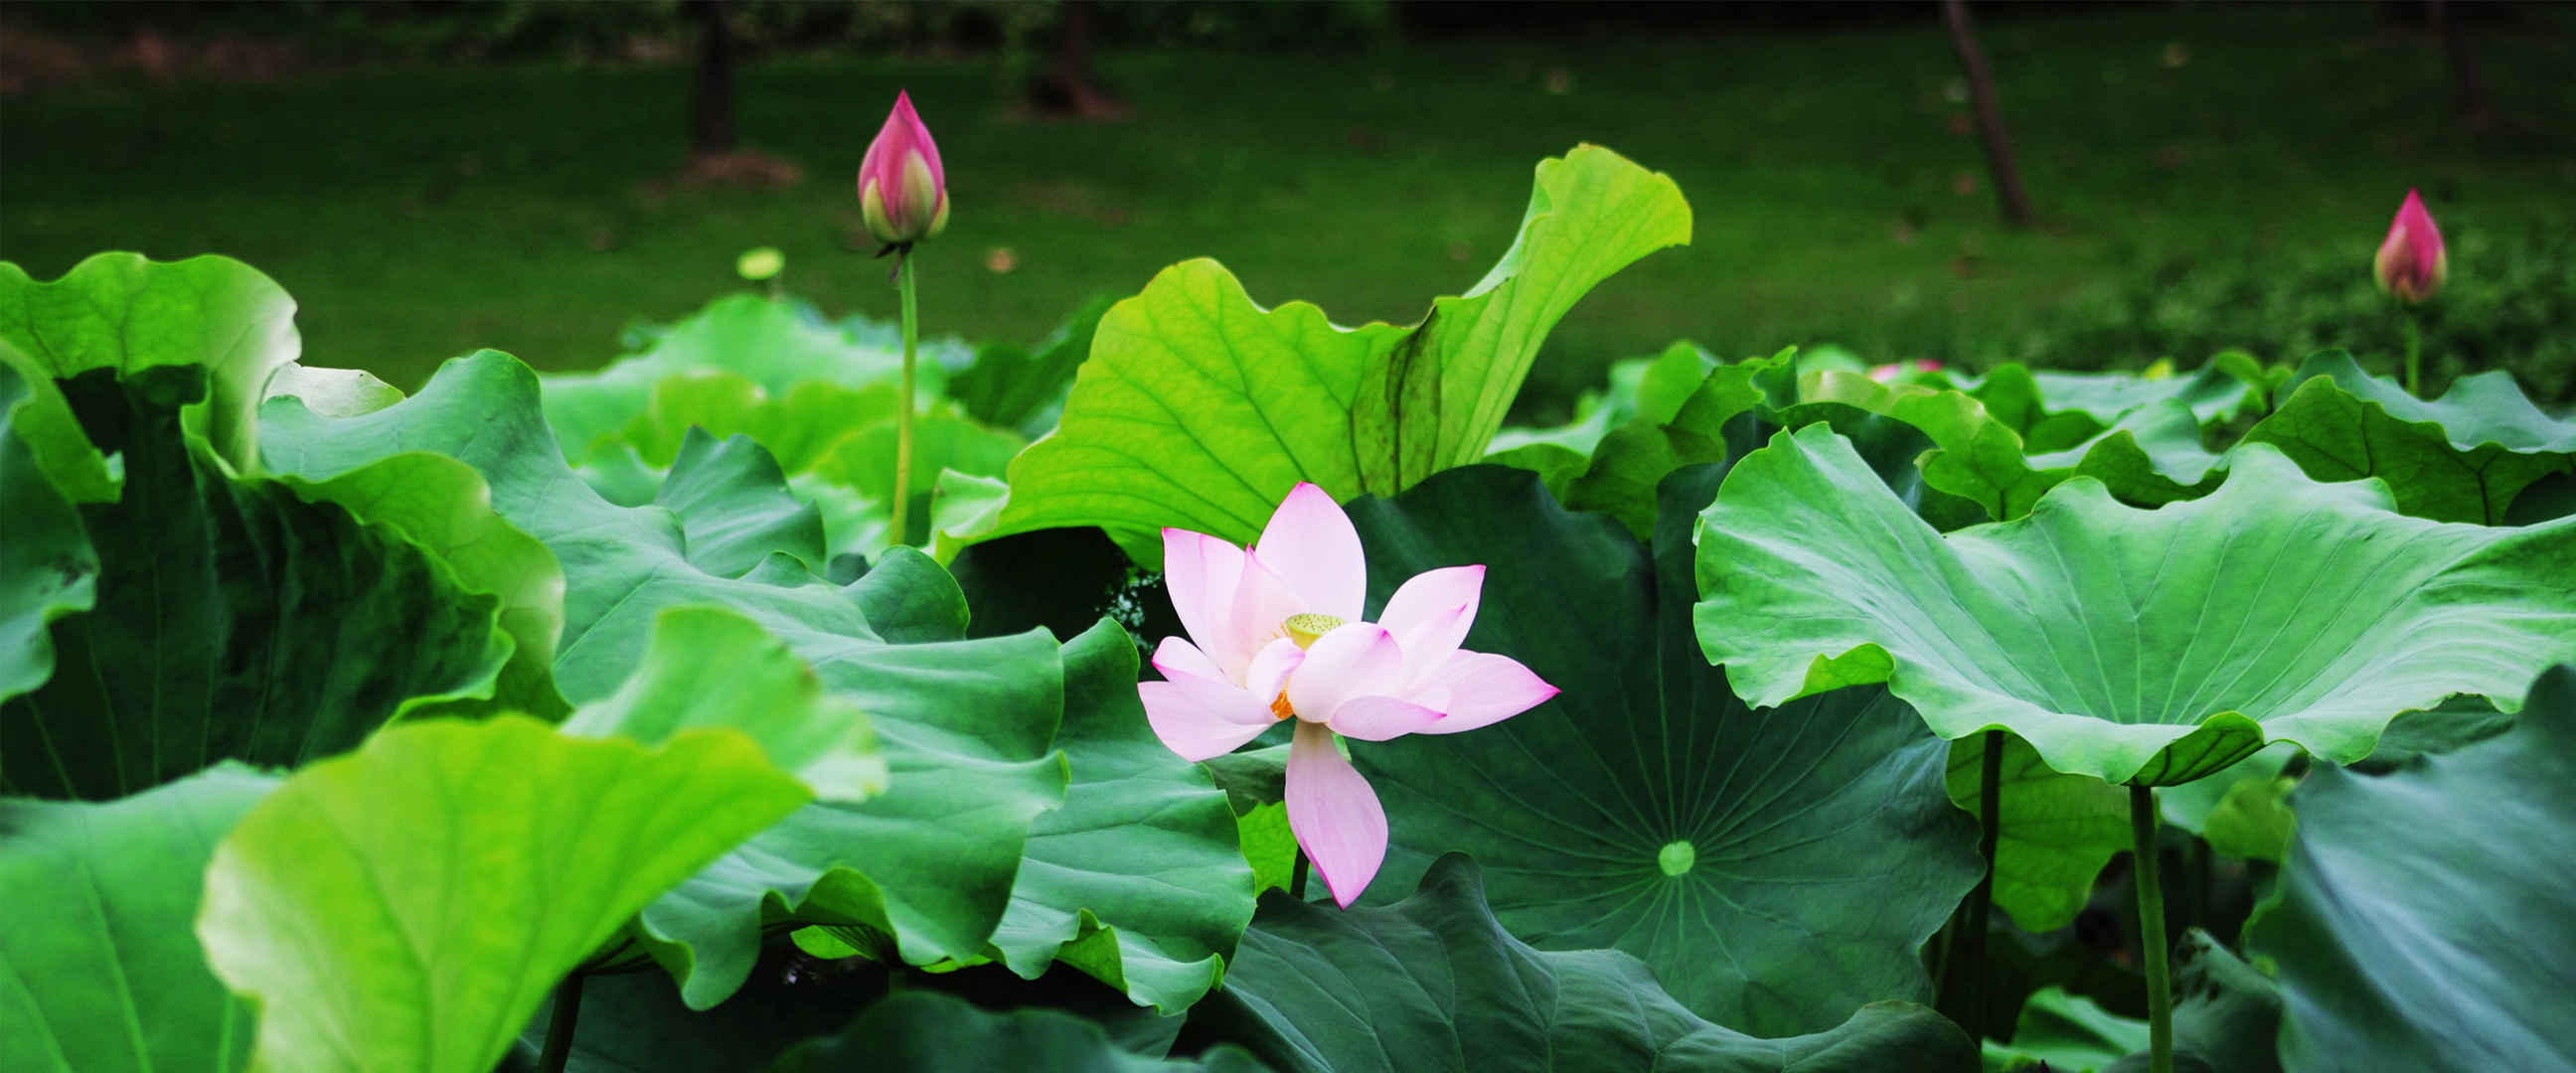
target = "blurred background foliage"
x: 429, y: 178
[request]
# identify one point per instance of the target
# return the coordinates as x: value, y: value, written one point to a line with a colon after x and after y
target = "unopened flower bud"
x: 2411, y: 263
x: 902, y: 190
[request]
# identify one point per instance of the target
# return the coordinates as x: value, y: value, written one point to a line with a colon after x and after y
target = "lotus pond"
x: 1207, y: 685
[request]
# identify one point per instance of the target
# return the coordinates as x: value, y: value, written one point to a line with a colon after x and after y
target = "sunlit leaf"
x: 2461, y: 458
x: 2136, y: 646
x: 99, y: 972
x: 1200, y: 409
x: 338, y: 903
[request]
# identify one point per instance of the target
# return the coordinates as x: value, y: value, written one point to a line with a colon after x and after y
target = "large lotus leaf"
x: 2421, y: 916
x: 1775, y: 868
x: 2276, y: 608
x: 2150, y: 455
x: 2461, y: 458
x: 927, y: 1032
x: 965, y: 727
x: 333, y: 392
x: 337, y: 903
x: 836, y: 444
x: 120, y: 312
x: 1199, y: 409
x: 1137, y: 880
x: 443, y: 506
x: 409, y: 905
x: 2047, y: 407
x: 238, y: 618
x: 1434, y: 983
x: 98, y: 970
x: 775, y: 344
x: 734, y: 508
x: 1733, y: 408
x: 1629, y: 462
x: 47, y: 568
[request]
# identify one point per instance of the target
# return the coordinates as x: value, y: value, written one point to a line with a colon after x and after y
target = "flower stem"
x: 2151, y: 930
x: 903, y: 417
x: 2414, y: 355
x: 1297, y: 876
x: 560, y: 1022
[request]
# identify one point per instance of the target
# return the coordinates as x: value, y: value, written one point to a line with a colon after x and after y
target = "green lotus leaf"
x: 2190, y: 805
x: 2225, y: 1016
x: 1434, y: 983
x: 255, y: 618
x: 443, y: 506
x: 1023, y: 388
x: 1137, y: 880
x: 777, y: 345
x: 2055, y: 834
x: 1775, y: 868
x: 2150, y: 647
x: 2063, y: 1033
x: 331, y: 905
x: 335, y: 903
x: 927, y: 1032
x: 1199, y: 409
x: 2052, y: 410
x: 2417, y: 919
x: 47, y: 567
x: 836, y: 445
x: 2442, y: 728
x: 120, y: 312
x: 1734, y: 407
x: 2461, y: 458
x: 734, y: 507
x: 966, y: 727
x: 2149, y: 456
x: 1652, y: 389
x: 633, y: 1021
x: 98, y: 970
x: 333, y: 392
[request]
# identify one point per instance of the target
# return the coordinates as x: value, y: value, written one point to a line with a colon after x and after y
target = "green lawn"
x: 421, y: 213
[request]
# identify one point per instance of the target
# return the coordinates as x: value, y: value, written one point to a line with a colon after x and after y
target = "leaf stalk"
x: 2151, y: 930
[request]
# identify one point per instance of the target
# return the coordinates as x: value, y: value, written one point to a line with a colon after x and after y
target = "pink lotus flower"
x: 903, y: 192
x: 2411, y: 262
x: 1278, y: 635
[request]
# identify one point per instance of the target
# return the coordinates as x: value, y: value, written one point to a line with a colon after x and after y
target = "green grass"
x: 421, y: 213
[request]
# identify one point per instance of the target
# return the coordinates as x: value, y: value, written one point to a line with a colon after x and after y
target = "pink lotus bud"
x: 1909, y: 370
x: 2411, y: 263
x: 902, y: 190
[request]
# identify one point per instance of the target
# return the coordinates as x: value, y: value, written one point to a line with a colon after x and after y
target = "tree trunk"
x: 1990, y: 120
x: 2468, y: 84
x: 1068, y: 86
x: 711, y: 130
